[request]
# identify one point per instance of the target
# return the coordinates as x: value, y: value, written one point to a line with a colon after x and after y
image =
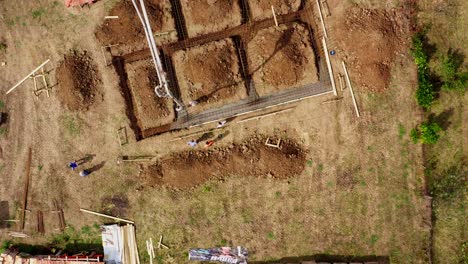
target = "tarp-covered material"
x: 235, y: 255
x: 112, y: 243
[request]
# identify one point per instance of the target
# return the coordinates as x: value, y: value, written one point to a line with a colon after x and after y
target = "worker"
x: 73, y: 165
x: 192, y: 143
x: 84, y: 173
x: 209, y: 143
x: 221, y: 124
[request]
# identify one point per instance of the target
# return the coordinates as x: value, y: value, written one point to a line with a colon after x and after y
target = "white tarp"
x: 112, y: 244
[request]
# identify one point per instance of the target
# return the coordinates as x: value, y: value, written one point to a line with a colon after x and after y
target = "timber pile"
x: 130, y: 249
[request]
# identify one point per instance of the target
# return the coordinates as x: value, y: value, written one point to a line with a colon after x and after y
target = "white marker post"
x: 29, y: 75
x: 330, y: 70
x: 351, y: 89
x: 274, y: 15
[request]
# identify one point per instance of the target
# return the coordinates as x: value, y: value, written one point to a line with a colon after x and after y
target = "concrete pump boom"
x: 162, y: 90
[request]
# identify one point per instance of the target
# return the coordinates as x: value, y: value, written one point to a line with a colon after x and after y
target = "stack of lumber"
x: 130, y: 249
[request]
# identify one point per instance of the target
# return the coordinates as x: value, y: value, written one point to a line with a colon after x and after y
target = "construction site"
x: 271, y: 127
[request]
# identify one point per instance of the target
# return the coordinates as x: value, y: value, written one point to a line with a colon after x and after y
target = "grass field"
x: 362, y: 192
x: 446, y: 161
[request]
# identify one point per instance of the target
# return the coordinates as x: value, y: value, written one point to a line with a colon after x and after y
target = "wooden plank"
x: 25, y: 78
x: 107, y: 216
x: 26, y: 188
x: 351, y: 89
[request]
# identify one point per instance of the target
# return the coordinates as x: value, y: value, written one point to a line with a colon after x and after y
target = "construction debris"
x: 277, y: 145
x: 119, y: 244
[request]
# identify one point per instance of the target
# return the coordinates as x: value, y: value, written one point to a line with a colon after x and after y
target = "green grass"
x: 3, y: 131
x: 3, y: 47
x: 72, y: 124
x: 445, y: 161
x: 38, y: 13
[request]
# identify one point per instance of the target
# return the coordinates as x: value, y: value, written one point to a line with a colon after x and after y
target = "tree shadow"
x: 205, y: 136
x: 4, y: 214
x: 457, y: 56
x: 328, y: 259
x: 443, y: 119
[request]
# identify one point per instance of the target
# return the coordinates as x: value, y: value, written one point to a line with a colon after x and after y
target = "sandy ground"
x: 360, y: 193
x: 209, y: 74
x: 127, y: 33
x: 282, y: 58
x: 151, y: 110
x: 206, y: 16
x: 261, y: 9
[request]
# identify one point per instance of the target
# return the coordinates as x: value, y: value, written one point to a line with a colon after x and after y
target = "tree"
x: 425, y: 94
x: 426, y: 133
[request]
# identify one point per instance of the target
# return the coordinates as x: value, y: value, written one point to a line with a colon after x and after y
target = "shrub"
x: 426, y: 133
x: 425, y: 94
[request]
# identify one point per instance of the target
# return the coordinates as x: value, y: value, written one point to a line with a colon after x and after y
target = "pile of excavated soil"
x: 372, y: 39
x: 209, y: 74
x: 261, y: 9
x: 281, y: 58
x: 78, y: 80
x: 206, y: 16
x: 128, y: 31
x: 251, y: 158
x: 151, y: 110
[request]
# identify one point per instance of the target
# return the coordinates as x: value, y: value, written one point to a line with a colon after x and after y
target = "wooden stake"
x: 330, y: 70
x: 111, y: 17
x: 25, y: 78
x: 351, y: 89
x: 107, y: 216
x: 274, y: 15
x: 26, y: 187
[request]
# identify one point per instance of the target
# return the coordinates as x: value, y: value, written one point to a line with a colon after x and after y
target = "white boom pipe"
x: 163, y: 82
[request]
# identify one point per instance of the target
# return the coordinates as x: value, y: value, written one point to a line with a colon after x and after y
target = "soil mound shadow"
x: 250, y: 158
x: 78, y: 80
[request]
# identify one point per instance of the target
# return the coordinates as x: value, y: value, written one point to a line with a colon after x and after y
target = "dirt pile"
x: 78, y: 80
x: 128, y: 31
x: 261, y: 9
x: 372, y: 39
x: 210, y: 74
x: 251, y: 158
x: 206, y: 16
x: 282, y: 57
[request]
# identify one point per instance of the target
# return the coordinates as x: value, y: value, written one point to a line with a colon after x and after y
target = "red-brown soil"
x: 281, y: 58
x: 250, y: 158
x: 209, y: 74
x: 151, y: 111
x: 372, y: 39
x: 205, y: 16
x: 261, y: 9
x: 127, y: 30
x: 78, y: 81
